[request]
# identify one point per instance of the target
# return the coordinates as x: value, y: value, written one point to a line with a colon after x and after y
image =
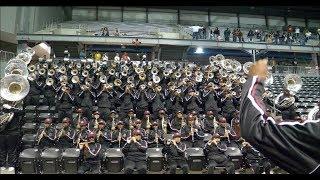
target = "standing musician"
x: 112, y: 121
x: 192, y: 133
x: 255, y: 159
x: 90, y: 154
x: 135, y: 154
x: 119, y: 135
x: 129, y: 120
x: 142, y: 103
x: 157, y: 99
x: 82, y: 133
x: 33, y: 97
x: 65, y: 135
x: 49, y: 92
x: 214, y: 151
x: 177, y: 101
x: 209, y: 97
x: 177, y: 122
x: 103, y: 134
x: 126, y: 101
x: 228, y: 105
x: 105, y: 100
x: 288, y: 110
x: 155, y: 136
x: 210, y: 122
x: 193, y: 101
x: 86, y: 102
x: 10, y: 135
x: 175, y: 154
x: 64, y: 104
x: 93, y: 124
x: 46, y: 136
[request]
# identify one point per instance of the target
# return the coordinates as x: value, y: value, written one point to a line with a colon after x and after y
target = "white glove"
x: 7, y: 106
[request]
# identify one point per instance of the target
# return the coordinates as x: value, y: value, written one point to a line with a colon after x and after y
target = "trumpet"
x: 117, y: 82
x: 51, y: 72
x: 103, y: 79
x: 41, y: 135
x: 32, y: 68
x: 164, y: 125
x: 142, y: 76
x: 85, y: 73
x: 42, y: 71
x: 45, y: 65
x: 49, y: 81
x: 154, y: 71
x: 74, y: 72
x: 75, y: 79
x: 111, y: 71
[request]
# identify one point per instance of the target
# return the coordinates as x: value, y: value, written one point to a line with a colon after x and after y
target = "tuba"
x: 14, y: 87
x: 16, y: 66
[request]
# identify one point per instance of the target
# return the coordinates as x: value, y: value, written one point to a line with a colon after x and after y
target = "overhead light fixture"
x: 199, y: 51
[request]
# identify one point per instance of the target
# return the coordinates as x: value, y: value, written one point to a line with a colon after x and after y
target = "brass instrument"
x: 49, y: 81
x: 113, y: 124
x: 16, y: 66
x: 198, y: 78
x: 142, y: 76
x: 61, y: 133
x: 124, y: 73
x: 99, y: 134
x: 177, y: 74
x: 111, y: 71
x: 26, y: 57
x: 117, y: 82
x: 293, y: 82
x: 188, y: 73
x: 75, y: 79
x: 166, y: 73
x: 164, y: 125
x: 32, y: 68
x: 219, y: 57
x: 62, y: 70
x: 154, y: 71
x: 192, y: 132
x: 210, y: 75
x: 119, y: 138
x: 70, y: 65
x: 246, y: 67
x: 103, y: 79
x: 51, y: 72
x: 78, y: 65
x: 88, y: 66
x: 63, y: 78
x: 41, y: 135
x: 312, y: 114
x: 156, y: 79
x: 85, y: 73
x: 42, y: 71
x: 243, y: 80
x: 45, y: 65
x: 74, y: 72
x: 14, y: 87
x: 148, y: 123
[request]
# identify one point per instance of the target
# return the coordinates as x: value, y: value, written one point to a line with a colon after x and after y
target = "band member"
x: 210, y: 122
x: 105, y: 100
x: 93, y: 124
x: 163, y: 121
x: 142, y: 103
x: 112, y: 121
x: 46, y: 136
x: 90, y: 154
x: 119, y: 136
x: 126, y: 100
x: 255, y: 159
x: 103, y: 134
x: 214, y: 151
x: 192, y: 134
x: 228, y: 105
x: 135, y: 154
x: 288, y: 111
x: 175, y: 154
x: 209, y: 97
x: 49, y: 92
x: 78, y: 118
x: 137, y: 126
x: 193, y: 101
x: 177, y: 101
x: 157, y: 99
x: 129, y: 120
x: 226, y: 133
x: 177, y: 122
x: 33, y: 97
x: 147, y: 121
x: 64, y: 104
x: 82, y: 133
x: 10, y: 135
x: 65, y: 136
x: 155, y: 136
x: 86, y: 103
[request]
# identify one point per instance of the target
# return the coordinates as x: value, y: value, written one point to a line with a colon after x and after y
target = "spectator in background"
x: 226, y: 34
x: 82, y: 54
x: 240, y: 36
x: 117, y: 33
x: 234, y: 35
x: 195, y: 32
x: 281, y: 38
x: 105, y: 31
x: 276, y: 37
x: 319, y: 33
x: 216, y: 34
x: 250, y: 35
x: 297, y: 33
x: 307, y: 34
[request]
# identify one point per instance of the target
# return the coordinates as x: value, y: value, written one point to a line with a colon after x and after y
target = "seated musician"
x: 137, y: 126
x: 155, y: 136
x: 175, y: 154
x: 288, y: 110
x: 65, y: 136
x: 46, y: 136
x: 129, y: 120
x: 177, y: 122
x: 147, y: 120
x: 163, y: 120
x: 135, y: 154
x: 82, y: 133
x: 214, y: 151
x: 227, y: 134
x: 192, y: 133
x: 93, y: 124
x: 210, y: 122
x: 112, y: 121
x: 119, y: 135
x: 90, y: 155
x: 255, y: 159
x: 103, y: 134
x: 78, y: 118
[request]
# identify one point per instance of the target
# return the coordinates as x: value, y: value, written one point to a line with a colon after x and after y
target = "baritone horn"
x: 14, y: 87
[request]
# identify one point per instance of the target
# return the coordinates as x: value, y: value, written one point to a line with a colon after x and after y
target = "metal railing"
x: 5, y: 56
x: 301, y: 70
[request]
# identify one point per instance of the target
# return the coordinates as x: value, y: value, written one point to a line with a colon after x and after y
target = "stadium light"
x: 199, y: 51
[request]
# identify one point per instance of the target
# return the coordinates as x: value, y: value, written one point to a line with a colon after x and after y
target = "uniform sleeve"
x: 292, y: 146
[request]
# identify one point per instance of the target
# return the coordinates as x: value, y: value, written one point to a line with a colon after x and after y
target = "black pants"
x: 154, y: 145
x: 62, y: 113
x: 173, y: 164
x: 92, y: 167
x: 129, y: 166
x: 260, y: 166
x: 9, y: 147
x: 213, y: 163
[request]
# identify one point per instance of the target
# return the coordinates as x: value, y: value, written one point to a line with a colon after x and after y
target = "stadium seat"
x: 29, y: 128
x: 155, y: 159
x: 30, y: 109
x: 30, y: 117
x: 43, y: 116
x: 28, y: 161
x: 43, y: 109
x: 235, y: 155
x: 50, y: 161
x: 70, y: 160
x: 195, y: 158
x: 114, y: 160
x: 28, y: 141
